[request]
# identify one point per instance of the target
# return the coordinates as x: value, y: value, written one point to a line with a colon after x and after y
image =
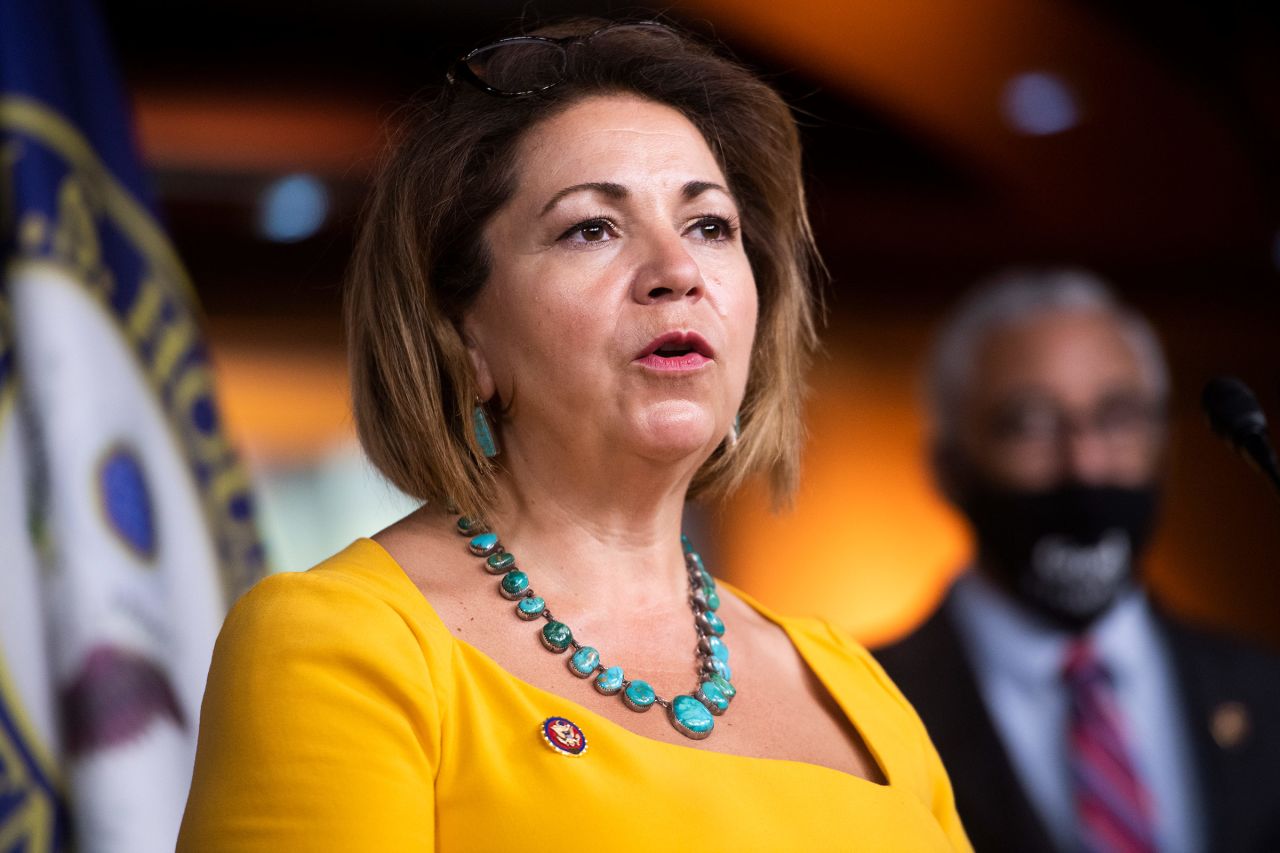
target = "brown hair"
x: 420, y: 258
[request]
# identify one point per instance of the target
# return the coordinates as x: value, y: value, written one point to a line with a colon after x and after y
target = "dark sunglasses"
x: 525, y: 65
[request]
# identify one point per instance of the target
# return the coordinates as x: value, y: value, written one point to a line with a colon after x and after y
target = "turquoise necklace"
x: 692, y: 714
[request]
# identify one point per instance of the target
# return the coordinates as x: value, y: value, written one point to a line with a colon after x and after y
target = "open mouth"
x: 676, y: 351
x: 673, y: 350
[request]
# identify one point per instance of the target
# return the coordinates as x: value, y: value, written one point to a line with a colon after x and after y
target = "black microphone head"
x: 1233, y: 410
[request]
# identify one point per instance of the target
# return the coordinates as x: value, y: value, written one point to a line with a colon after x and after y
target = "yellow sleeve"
x: 942, y: 801
x: 320, y: 728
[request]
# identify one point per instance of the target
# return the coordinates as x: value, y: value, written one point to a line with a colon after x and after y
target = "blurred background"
x: 944, y: 141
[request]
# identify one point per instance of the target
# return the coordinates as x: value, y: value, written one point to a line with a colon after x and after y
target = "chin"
x: 676, y: 430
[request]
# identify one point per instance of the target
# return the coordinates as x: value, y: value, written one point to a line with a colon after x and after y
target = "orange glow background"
x: 868, y: 544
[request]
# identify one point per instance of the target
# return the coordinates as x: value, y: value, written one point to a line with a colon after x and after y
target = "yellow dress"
x: 341, y: 715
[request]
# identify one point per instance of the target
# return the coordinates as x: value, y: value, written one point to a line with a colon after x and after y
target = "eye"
x: 1025, y: 423
x: 1124, y: 417
x: 713, y: 229
x: 594, y: 230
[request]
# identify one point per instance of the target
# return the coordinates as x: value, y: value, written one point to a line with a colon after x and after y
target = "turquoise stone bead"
x: 609, y: 682
x: 483, y: 544
x: 725, y: 687
x: 499, y: 563
x: 531, y: 607
x: 556, y: 636
x: 639, y: 696
x: 705, y: 599
x: 691, y: 717
x: 584, y: 661
x: 719, y: 650
x: 468, y: 525
x: 696, y: 561
x: 711, y: 622
x: 686, y: 544
x: 713, y: 697
x: 708, y: 582
x: 514, y: 583
x: 719, y: 667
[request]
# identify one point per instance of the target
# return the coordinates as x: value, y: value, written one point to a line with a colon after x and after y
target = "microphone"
x: 1237, y: 418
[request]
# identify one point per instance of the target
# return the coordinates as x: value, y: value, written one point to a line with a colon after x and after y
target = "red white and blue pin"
x: 564, y: 736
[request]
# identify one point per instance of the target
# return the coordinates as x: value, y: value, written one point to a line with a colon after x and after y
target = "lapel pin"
x: 564, y: 736
x: 1229, y: 724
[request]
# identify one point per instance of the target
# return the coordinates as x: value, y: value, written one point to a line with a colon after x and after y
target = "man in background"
x: 1072, y: 713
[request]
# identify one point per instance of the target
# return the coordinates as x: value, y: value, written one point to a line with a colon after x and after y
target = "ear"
x: 485, y: 384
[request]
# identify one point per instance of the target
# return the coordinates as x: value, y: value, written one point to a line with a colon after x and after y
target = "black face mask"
x: 1067, y: 553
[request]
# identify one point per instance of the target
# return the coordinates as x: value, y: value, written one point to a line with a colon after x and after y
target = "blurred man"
x: 1071, y: 712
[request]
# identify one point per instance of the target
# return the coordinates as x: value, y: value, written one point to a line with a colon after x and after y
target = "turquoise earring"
x: 483, y: 430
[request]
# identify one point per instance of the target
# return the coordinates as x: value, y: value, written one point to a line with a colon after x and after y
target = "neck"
x: 596, y: 537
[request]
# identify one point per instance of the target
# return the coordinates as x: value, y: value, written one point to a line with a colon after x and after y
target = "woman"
x: 581, y: 295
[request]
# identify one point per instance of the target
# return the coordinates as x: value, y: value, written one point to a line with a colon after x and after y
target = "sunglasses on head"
x: 526, y: 65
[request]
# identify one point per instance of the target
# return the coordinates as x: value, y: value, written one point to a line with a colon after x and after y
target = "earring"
x: 735, y: 432
x: 483, y: 430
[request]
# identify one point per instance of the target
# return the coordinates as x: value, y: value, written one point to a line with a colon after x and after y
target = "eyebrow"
x: 689, y: 191
x: 693, y: 189
x: 613, y: 191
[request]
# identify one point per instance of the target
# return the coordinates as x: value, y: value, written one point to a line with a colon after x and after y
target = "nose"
x: 1085, y: 457
x: 667, y: 273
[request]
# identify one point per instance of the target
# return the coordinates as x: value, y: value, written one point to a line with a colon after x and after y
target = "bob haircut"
x: 421, y: 259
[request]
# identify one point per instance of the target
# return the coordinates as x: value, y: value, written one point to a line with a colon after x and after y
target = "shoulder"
x: 352, y: 611
x: 1219, y: 664
x: 321, y: 723
x: 884, y: 717
x: 354, y: 586
x: 860, y: 656
x: 830, y: 651
x: 1216, y: 645
x: 833, y: 652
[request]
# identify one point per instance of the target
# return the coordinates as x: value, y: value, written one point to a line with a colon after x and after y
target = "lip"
x: 700, y: 352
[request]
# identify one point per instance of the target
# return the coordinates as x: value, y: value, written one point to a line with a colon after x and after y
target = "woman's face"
x: 621, y: 309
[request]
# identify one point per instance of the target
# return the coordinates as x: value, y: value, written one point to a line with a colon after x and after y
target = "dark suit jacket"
x: 1232, y: 696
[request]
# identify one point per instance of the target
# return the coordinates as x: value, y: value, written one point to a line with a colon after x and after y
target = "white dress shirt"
x: 1017, y: 657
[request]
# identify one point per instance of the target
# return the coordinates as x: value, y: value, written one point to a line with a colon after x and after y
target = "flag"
x: 126, y: 522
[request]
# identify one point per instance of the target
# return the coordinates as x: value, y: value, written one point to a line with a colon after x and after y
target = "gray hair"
x: 1013, y: 297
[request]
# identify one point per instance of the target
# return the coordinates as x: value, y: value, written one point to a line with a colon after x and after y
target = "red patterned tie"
x: 1112, y: 805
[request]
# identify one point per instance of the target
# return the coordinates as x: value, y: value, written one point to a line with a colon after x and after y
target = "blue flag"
x: 126, y: 522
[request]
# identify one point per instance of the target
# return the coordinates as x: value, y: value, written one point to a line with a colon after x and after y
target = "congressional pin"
x: 1229, y: 724
x: 564, y: 736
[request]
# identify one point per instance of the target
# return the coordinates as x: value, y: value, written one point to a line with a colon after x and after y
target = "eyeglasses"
x: 526, y: 65
x: 1117, y: 421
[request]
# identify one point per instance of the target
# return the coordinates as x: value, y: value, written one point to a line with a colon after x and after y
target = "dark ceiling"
x: 1172, y: 192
